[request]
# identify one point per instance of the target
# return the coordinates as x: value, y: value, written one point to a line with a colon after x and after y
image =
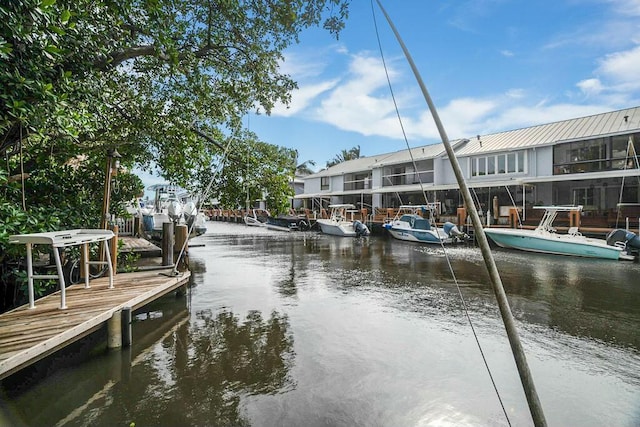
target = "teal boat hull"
x: 528, y: 240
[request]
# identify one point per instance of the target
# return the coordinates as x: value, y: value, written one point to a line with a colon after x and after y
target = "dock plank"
x: 28, y: 335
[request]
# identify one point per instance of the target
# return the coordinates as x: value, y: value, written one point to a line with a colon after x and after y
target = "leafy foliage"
x: 261, y: 171
x: 143, y: 74
x: 149, y: 78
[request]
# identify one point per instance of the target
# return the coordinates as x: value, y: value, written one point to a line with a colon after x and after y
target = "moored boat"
x: 256, y: 217
x: 339, y: 225
x: 545, y: 239
x: 168, y: 208
x: 413, y: 223
x: 287, y: 223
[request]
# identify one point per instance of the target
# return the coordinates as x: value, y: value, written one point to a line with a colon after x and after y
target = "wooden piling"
x: 114, y: 330
x: 182, y: 237
x: 574, y: 218
x: 168, y: 243
x: 513, y: 217
x: 461, y: 216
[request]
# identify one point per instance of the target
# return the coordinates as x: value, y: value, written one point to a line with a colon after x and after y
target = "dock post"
x: 126, y: 327
x: 168, y: 242
x: 114, y: 330
x: 513, y: 217
x: 574, y: 218
x: 461, y: 216
x: 182, y: 236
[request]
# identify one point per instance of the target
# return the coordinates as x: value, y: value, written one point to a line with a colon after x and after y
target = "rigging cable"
x: 201, y: 197
x: 513, y: 202
x: 631, y: 152
x: 455, y: 280
x: 528, y: 385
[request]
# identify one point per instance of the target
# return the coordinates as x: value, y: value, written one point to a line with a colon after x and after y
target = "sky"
x: 489, y: 66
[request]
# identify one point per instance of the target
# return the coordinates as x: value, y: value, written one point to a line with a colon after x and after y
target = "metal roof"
x: 594, y: 126
x: 350, y: 166
x: 598, y: 125
x: 418, y: 153
x: 362, y: 164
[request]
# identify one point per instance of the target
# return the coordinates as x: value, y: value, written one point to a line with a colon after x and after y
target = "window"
x: 520, y: 163
x: 324, y: 183
x: 498, y: 164
x: 408, y: 174
x: 587, y: 197
x: 491, y: 165
x: 592, y: 155
x: 482, y: 166
x: 511, y: 163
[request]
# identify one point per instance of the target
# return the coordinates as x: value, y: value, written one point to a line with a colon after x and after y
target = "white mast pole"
x: 516, y: 347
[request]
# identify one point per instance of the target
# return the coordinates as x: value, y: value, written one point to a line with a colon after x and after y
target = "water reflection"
x: 200, y: 373
x: 380, y: 339
x: 202, y: 366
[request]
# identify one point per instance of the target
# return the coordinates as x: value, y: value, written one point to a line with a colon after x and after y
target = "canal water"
x: 305, y: 329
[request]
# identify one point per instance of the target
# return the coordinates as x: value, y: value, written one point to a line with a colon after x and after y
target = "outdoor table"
x: 63, y: 239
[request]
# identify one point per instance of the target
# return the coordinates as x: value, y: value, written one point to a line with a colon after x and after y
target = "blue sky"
x: 489, y: 66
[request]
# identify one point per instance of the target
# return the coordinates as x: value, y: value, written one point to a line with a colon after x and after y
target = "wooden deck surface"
x: 28, y: 335
x: 138, y: 245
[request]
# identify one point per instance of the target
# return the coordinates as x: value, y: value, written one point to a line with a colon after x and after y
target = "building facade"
x: 589, y: 161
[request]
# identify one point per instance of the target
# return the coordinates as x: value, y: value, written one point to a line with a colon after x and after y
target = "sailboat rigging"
x: 526, y: 378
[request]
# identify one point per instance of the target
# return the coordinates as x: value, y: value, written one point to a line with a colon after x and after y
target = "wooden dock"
x: 28, y: 335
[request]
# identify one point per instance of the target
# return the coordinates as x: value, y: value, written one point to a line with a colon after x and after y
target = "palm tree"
x: 303, y: 168
x: 344, y: 156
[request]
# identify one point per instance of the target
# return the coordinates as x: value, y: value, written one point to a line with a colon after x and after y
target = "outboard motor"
x: 190, y: 213
x: 360, y: 228
x: 452, y: 230
x: 174, y: 209
x: 620, y: 237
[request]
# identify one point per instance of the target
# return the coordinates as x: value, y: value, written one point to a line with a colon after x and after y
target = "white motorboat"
x: 339, y: 224
x: 168, y: 208
x: 544, y: 238
x: 256, y: 217
x: 413, y: 223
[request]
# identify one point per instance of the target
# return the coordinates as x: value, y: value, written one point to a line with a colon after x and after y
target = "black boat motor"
x: 360, y: 228
x: 620, y: 237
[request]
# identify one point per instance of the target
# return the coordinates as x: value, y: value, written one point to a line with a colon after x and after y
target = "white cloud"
x: 622, y: 67
x: 518, y: 116
x: 516, y: 93
x: 361, y: 102
x: 507, y: 53
x: 626, y: 7
x: 302, y: 98
x: 590, y: 87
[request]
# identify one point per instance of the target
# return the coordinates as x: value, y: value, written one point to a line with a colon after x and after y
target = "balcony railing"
x: 426, y: 177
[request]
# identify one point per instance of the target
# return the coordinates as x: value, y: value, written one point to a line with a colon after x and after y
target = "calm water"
x: 304, y: 329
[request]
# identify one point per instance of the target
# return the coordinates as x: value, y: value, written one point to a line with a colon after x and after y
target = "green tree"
x: 255, y: 170
x: 304, y: 168
x: 147, y: 77
x: 344, y: 156
x: 82, y: 76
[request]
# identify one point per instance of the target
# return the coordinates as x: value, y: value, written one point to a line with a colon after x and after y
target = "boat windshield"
x: 422, y: 224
